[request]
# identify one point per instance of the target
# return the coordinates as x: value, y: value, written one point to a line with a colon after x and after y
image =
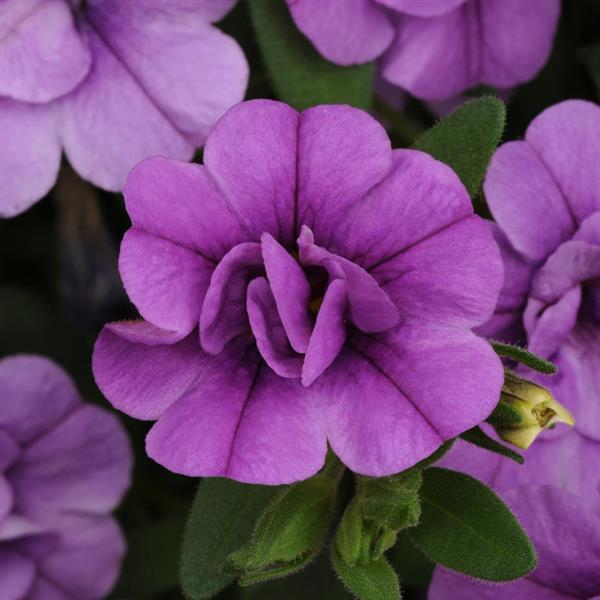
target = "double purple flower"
x: 434, y: 49
x: 110, y: 82
x: 64, y: 466
x: 306, y: 285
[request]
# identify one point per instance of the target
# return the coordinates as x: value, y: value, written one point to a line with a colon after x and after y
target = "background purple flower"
x: 111, y: 82
x: 434, y: 49
x: 307, y: 284
x: 565, y: 530
x: 64, y: 466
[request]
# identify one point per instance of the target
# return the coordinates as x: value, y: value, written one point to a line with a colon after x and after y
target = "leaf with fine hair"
x: 465, y: 527
x: 466, y: 139
x: 478, y: 437
x: 523, y: 356
x: 221, y: 520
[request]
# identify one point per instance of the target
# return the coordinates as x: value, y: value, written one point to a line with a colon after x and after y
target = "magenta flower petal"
x: 329, y: 333
x: 422, y: 8
x: 16, y: 574
x: 346, y: 33
x: 244, y: 422
x: 342, y: 153
x: 575, y: 171
x: 224, y: 309
x: 262, y: 193
x: 42, y: 55
x: 27, y: 130
x: 267, y: 327
x: 144, y: 379
x: 276, y: 371
x: 203, y: 222
x: 290, y: 290
x: 418, y: 197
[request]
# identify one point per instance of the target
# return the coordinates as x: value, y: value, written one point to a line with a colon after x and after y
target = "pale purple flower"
x: 110, y: 82
x: 306, y: 285
x: 434, y: 49
x: 64, y: 466
x: 544, y: 193
x: 565, y: 530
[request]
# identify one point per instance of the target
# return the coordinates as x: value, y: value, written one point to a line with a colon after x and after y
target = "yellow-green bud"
x: 536, y: 407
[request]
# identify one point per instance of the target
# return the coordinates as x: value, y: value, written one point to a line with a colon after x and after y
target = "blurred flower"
x: 307, y: 284
x: 434, y: 49
x: 64, y: 466
x: 565, y: 531
x: 111, y: 82
x: 544, y: 193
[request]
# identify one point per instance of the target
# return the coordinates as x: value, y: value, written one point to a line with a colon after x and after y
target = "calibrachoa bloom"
x: 565, y: 530
x: 307, y: 284
x: 111, y: 82
x: 544, y: 193
x: 434, y: 49
x: 64, y: 466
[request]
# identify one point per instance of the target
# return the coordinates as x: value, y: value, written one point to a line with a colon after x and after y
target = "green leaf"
x: 466, y: 139
x: 523, y: 356
x: 300, y: 76
x: 478, y: 437
x: 373, y: 580
x: 467, y: 528
x: 222, y: 518
x: 413, y: 567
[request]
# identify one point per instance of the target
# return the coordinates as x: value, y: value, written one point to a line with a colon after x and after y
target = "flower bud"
x: 535, y: 407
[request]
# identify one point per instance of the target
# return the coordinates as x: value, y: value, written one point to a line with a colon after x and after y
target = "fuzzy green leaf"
x: 300, y: 75
x: 478, y: 437
x: 467, y: 528
x: 523, y: 356
x: 222, y: 518
x: 373, y: 580
x: 466, y: 139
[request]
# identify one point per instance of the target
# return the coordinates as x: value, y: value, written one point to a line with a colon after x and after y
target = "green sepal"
x: 465, y: 527
x: 523, y: 356
x: 349, y: 535
x: 373, y: 580
x: 300, y: 75
x: 292, y: 526
x: 504, y: 414
x: 478, y: 437
x: 466, y: 139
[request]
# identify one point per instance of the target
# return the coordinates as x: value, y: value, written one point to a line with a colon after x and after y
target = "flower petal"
x: 257, y: 173
x: 37, y: 394
x: 452, y: 277
x: 422, y: 8
x: 291, y: 291
x: 224, y: 313
x: 6, y: 499
x: 16, y: 574
x: 179, y: 202
x: 244, y: 422
x: 329, y: 333
x: 166, y: 282
x: 9, y: 450
x: 268, y: 330
x: 29, y: 155
x: 42, y: 55
x: 565, y: 138
x: 143, y: 379
x: 520, y: 190
x: 81, y: 465
x: 418, y: 197
x: 345, y: 33
x: 342, y: 153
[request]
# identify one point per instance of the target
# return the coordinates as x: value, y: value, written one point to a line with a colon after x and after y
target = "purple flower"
x: 111, y: 82
x: 434, y: 49
x: 307, y: 284
x: 544, y: 193
x: 565, y: 530
x: 64, y: 466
